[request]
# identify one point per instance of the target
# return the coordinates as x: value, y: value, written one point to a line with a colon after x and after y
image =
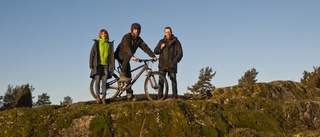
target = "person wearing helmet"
x: 125, y: 52
x: 170, y: 53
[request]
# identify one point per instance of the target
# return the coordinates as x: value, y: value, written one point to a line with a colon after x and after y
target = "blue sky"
x: 47, y: 43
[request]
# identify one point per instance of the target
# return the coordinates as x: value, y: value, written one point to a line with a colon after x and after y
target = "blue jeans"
x: 103, y: 76
x: 173, y: 79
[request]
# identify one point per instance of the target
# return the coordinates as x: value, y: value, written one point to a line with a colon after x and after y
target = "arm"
x: 158, y: 48
x: 92, y: 55
x: 146, y: 49
x: 125, y: 43
x: 179, y: 52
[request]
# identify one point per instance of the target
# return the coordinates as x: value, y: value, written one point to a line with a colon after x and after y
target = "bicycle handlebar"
x: 146, y: 60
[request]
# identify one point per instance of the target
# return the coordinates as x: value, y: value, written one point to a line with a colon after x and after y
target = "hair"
x: 168, y: 28
x: 103, y: 31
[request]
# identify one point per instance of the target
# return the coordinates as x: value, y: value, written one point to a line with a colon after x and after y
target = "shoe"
x: 131, y: 97
x: 98, y: 100
x: 103, y: 99
x: 174, y: 96
x: 124, y: 79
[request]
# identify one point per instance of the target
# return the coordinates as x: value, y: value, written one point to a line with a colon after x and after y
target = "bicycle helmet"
x: 136, y: 26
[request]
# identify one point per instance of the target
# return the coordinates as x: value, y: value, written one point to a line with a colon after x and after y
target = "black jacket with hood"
x: 170, y: 55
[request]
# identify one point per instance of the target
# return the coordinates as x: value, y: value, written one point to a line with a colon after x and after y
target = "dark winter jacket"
x: 170, y: 55
x: 129, y: 46
x: 95, y: 56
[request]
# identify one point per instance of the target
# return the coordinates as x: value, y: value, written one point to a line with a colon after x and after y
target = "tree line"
x: 21, y: 96
x: 203, y: 85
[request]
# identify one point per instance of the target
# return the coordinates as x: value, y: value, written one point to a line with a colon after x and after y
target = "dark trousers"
x: 173, y: 79
x: 124, y: 60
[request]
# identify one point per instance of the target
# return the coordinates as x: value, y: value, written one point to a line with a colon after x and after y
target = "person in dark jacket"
x: 170, y: 53
x: 101, y: 63
x: 126, y: 50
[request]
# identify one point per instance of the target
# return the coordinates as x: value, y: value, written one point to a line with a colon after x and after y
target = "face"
x: 167, y: 33
x: 135, y: 32
x: 103, y: 35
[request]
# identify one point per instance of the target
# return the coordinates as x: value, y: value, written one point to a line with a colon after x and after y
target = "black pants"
x: 173, y: 79
x: 124, y: 59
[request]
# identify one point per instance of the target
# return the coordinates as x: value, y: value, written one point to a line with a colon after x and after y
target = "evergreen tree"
x: 12, y: 95
x: 8, y: 99
x: 203, y: 85
x: 66, y: 101
x: 311, y: 78
x: 43, y: 99
x: 249, y: 77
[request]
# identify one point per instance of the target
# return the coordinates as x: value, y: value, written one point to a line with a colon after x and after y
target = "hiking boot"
x: 130, y: 96
x: 123, y: 77
x: 103, y: 99
x: 98, y: 100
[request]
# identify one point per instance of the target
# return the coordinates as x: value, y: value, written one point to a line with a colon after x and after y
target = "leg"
x: 97, y: 84
x: 128, y: 75
x: 125, y: 74
x: 104, y: 84
x: 104, y: 80
x: 174, y: 84
x: 161, y: 83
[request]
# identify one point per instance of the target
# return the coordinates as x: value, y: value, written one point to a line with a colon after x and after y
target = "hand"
x: 135, y: 59
x: 154, y: 59
x: 163, y: 45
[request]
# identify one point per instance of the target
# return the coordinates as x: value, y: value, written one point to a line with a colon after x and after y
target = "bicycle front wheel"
x: 112, y: 88
x: 155, y: 83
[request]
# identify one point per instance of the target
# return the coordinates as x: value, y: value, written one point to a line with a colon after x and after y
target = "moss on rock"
x: 279, y: 108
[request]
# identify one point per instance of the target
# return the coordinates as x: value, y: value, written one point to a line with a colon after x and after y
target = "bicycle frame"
x: 143, y: 68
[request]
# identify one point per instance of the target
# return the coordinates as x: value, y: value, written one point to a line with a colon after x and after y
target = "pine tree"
x: 66, y: 101
x: 12, y: 95
x: 203, y: 85
x: 8, y: 99
x: 249, y: 77
x: 43, y: 99
x: 311, y: 78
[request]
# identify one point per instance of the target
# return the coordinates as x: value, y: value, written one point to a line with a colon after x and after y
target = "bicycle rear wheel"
x: 152, y: 86
x: 112, y: 88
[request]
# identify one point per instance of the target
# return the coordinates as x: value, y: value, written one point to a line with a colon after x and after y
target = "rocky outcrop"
x: 279, y: 108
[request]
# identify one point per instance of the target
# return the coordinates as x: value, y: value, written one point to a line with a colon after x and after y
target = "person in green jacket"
x: 101, y: 63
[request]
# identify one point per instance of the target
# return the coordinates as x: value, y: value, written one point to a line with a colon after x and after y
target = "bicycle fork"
x: 153, y: 82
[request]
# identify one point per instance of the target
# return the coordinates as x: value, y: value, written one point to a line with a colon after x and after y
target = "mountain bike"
x: 151, y: 85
